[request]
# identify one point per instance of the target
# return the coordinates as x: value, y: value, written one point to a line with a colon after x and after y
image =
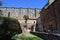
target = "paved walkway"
x: 48, y: 33
x: 47, y: 36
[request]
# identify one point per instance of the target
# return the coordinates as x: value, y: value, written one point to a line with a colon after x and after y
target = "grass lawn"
x: 25, y: 36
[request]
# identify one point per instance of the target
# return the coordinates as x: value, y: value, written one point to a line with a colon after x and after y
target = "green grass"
x: 25, y: 36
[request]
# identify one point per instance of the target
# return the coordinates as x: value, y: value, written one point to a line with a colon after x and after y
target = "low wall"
x: 46, y: 36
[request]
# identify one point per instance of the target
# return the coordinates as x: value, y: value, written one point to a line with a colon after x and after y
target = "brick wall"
x: 51, y: 16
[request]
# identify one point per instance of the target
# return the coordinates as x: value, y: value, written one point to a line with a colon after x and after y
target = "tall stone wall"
x: 18, y: 13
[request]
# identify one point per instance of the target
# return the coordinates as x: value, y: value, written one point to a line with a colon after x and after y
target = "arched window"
x: 17, y: 11
x: 24, y: 12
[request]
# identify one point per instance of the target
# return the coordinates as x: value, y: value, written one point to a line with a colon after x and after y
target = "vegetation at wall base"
x: 9, y: 27
x: 25, y: 36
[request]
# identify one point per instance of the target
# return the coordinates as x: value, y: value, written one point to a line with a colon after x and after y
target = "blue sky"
x: 24, y: 3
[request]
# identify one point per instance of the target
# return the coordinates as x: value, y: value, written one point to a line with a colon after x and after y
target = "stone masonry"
x: 18, y: 13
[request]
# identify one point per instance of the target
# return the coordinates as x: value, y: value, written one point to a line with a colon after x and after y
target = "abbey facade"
x: 18, y: 13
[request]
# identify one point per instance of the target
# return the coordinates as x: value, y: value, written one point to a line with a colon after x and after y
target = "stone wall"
x: 50, y: 17
x: 39, y: 27
x: 18, y: 13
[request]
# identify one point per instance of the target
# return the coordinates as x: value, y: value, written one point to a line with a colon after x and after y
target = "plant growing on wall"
x: 9, y: 27
x: 25, y: 36
x: 26, y: 18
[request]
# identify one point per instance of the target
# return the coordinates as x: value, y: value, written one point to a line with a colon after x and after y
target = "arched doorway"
x: 32, y: 28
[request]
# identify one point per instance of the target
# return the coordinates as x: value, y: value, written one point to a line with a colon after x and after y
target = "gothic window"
x: 24, y: 12
x: 8, y: 10
x: 17, y: 12
x: 34, y: 21
x: 33, y: 11
x: 31, y: 14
